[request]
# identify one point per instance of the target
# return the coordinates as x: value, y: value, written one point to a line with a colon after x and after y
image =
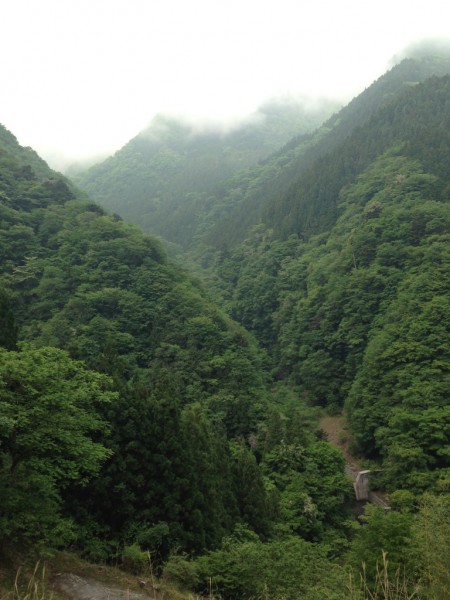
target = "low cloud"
x: 424, y: 47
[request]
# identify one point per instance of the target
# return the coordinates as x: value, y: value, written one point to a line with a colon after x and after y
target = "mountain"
x: 195, y: 190
x: 163, y: 177
x: 316, y: 249
x: 137, y: 417
x: 346, y: 283
x: 266, y: 192
x: 112, y: 355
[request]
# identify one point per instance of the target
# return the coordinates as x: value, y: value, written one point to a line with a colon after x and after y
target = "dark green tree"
x: 252, y: 497
x: 8, y: 329
x: 209, y: 503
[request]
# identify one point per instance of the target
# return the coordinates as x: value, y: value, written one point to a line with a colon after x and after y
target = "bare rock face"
x: 82, y: 588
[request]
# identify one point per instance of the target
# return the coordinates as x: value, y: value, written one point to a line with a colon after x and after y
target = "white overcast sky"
x: 79, y: 78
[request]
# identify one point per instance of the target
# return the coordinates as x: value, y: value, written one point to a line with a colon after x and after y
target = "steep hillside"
x: 159, y: 363
x: 162, y: 178
x: 358, y: 314
x: 135, y: 415
x: 25, y: 158
x: 292, y: 180
x: 347, y: 217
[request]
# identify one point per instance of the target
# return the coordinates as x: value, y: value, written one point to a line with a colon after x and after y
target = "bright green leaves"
x: 414, y: 546
x: 48, y: 431
x: 432, y: 539
x: 314, y: 489
x: 399, y: 401
x: 288, y: 568
x: 359, y: 315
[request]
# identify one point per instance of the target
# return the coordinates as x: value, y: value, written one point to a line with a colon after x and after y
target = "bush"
x: 290, y: 568
x: 135, y: 560
x: 181, y: 572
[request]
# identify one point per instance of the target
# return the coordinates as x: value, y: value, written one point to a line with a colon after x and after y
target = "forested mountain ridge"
x: 75, y: 279
x: 358, y: 314
x: 162, y: 178
x: 24, y: 157
x: 134, y: 413
x: 266, y: 193
x: 25, y: 162
x: 174, y: 183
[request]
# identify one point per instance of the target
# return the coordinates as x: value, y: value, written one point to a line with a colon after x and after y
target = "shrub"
x: 135, y: 560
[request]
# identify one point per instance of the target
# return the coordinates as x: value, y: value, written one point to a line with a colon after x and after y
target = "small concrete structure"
x: 361, y: 485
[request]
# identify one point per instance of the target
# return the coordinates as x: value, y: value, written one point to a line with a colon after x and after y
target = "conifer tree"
x: 8, y: 329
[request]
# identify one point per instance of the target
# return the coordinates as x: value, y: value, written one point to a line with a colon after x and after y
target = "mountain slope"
x: 163, y: 177
x: 357, y: 315
x: 290, y: 182
x: 175, y: 184
x: 84, y: 286
x: 134, y: 413
x: 349, y: 218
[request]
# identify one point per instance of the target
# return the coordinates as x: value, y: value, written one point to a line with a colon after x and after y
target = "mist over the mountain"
x: 283, y: 115
x: 169, y: 170
x: 423, y: 48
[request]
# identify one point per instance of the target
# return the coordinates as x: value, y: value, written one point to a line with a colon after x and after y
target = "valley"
x: 164, y: 396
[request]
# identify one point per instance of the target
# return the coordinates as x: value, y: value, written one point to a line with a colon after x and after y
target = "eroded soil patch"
x: 75, y: 587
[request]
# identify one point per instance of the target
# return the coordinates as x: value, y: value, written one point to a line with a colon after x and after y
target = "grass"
x: 386, y: 587
x: 37, y: 583
x: 28, y: 586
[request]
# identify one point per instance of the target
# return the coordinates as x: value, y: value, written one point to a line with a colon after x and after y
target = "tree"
x: 209, y: 507
x: 49, y: 429
x: 383, y: 532
x: 290, y: 568
x: 8, y: 329
x: 251, y: 493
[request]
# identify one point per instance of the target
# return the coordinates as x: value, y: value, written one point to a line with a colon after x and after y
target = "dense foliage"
x: 136, y: 416
x: 175, y: 457
x: 414, y: 562
x: 48, y: 430
x: 357, y: 316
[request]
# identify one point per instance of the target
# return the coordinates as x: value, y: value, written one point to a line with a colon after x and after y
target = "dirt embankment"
x: 335, y: 428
